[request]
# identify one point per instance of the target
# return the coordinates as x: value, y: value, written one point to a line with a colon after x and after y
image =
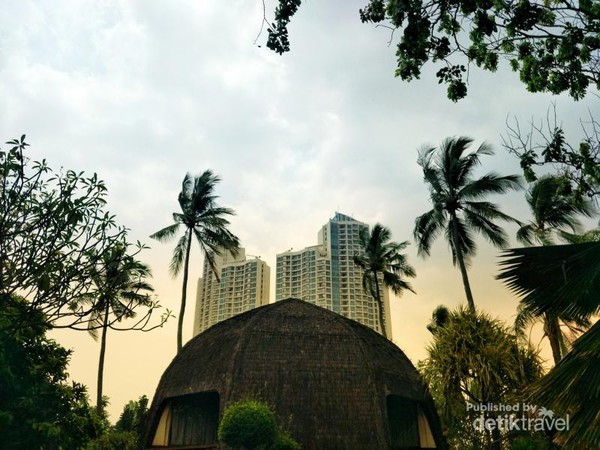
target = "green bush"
x: 284, y: 441
x: 248, y: 424
x: 115, y: 440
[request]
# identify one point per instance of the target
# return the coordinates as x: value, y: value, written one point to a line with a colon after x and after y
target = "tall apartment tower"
x: 325, y: 274
x: 243, y: 285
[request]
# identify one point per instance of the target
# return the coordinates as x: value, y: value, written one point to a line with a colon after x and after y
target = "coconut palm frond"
x: 560, y: 278
x: 179, y: 255
x: 492, y: 232
x: 427, y: 228
x: 573, y: 388
x: 166, y: 233
x: 490, y: 183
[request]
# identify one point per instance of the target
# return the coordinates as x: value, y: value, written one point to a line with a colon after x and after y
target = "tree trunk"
x: 461, y: 264
x: 186, y: 265
x: 552, y: 330
x: 380, y: 307
x: 496, y: 443
x: 101, y: 361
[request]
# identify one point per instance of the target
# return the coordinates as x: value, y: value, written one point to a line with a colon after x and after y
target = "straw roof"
x: 327, y: 377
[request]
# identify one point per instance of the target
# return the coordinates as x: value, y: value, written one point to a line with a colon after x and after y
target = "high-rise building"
x: 325, y: 274
x: 243, y: 285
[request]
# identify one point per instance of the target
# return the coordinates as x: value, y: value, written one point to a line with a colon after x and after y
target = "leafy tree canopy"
x: 127, y: 433
x: 544, y: 145
x: 553, y: 44
x: 475, y: 359
x: 38, y: 408
x: 134, y: 415
x: 54, y: 234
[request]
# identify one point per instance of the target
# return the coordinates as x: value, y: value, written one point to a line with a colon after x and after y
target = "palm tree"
x: 458, y: 209
x: 203, y: 219
x: 572, y: 387
x: 121, y: 287
x: 564, y: 279
x: 381, y: 261
x: 552, y: 211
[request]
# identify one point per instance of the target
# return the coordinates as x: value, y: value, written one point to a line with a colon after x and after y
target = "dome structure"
x: 332, y: 383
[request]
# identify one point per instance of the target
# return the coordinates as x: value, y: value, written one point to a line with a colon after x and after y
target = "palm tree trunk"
x: 380, y: 307
x: 184, y: 292
x: 552, y: 330
x: 461, y: 264
x: 101, y: 361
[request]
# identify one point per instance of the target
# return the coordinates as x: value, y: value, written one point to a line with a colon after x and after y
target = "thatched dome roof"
x: 328, y: 378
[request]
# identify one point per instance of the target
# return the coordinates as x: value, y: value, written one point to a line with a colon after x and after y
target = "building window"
x: 409, y: 427
x: 189, y: 420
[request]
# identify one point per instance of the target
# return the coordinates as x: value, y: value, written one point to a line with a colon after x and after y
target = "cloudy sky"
x: 142, y: 92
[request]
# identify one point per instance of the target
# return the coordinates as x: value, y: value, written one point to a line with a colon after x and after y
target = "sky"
x: 142, y: 92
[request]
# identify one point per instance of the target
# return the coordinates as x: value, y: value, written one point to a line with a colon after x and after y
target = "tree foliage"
x: 573, y: 387
x: 248, y: 424
x: 284, y: 441
x: 561, y: 279
x: 544, y: 145
x: 565, y: 279
x: 204, y: 220
x: 54, y: 233
x: 38, y: 408
x: 475, y: 359
x: 134, y: 415
x: 127, y: 433
x: 59, y: 255
x: 554, y: 45
x: 554, y: 211
x: 122, y: 290
x: 458, y: 203
x: 381, y: 262
x: 251, y: 424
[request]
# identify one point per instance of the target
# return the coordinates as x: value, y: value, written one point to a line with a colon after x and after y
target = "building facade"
x: 325, y: 274
x: 243, y: 285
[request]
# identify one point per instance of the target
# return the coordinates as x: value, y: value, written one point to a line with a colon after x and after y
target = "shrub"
x: 248, y: 424
x: 284, y: 441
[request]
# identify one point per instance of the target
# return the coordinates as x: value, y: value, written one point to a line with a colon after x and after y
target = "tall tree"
x: 553, y: 212
x: 554, y: 45
x: 458, y: 209
x: 122, y: 288
x: 381, y: 261
x: 205, y: 220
